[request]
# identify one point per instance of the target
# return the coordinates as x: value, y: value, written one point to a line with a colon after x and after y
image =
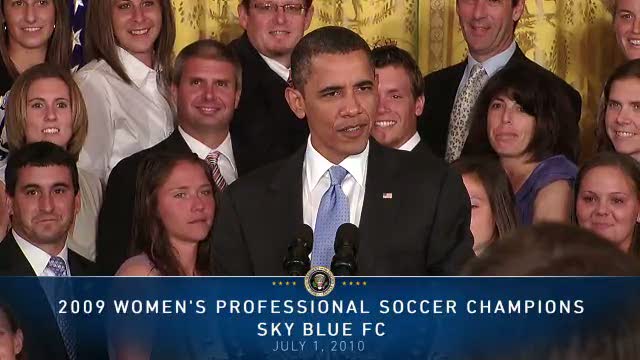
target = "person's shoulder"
x: 131, y: 162
x: 558, y: 163
x: 539, y: 69
x: 97, y: 72
x: 421, y: 166
x: 259, y: 177
x: 139, y: 265
x: 445, y: 72
x: 81, y: 265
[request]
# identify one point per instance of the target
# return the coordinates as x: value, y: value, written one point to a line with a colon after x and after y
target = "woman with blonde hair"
x: 46, y: 37
x: 46, y: 105
x: 129, y: 47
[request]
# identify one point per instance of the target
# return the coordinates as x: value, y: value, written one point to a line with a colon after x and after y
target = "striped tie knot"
x: 212, y: 158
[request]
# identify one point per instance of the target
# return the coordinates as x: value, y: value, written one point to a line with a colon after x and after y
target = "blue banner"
x: 350, y: 317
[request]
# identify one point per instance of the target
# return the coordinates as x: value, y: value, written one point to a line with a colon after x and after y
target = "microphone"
x: 346, y: 246
x: 297, y: 262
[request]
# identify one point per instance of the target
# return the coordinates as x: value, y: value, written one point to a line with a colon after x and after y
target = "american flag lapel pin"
x: 387, y: 195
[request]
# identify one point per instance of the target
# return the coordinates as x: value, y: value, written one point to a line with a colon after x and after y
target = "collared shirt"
x: 226, y: 161
x: 411, y: 143
x: 316, y: 180
x: 123, y: 118
x: 491, y: 65
x: 278, y: 68
x: 38, y: 258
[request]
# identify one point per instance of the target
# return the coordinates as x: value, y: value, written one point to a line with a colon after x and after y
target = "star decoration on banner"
x: 76, y: 39
x: 76, y: 5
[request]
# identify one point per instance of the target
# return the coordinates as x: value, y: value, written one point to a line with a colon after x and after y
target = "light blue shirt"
x: 491, y: 65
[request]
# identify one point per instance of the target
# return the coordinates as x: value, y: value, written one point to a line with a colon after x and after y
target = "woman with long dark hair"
x: 493, y: 213
x: 173, y: 214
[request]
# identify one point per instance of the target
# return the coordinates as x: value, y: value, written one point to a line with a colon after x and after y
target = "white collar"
x: 496, y: 62
x: 137, y: 71
x: 411, y: 143
x: 317, y: 165
x: 278, y: 68
x: 38, y: 258
x: 202, y: 150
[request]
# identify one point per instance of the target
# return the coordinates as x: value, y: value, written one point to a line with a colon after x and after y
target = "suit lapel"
x: 285, y: 212
x: 175, y: 143
x: 378, y: 209
x: 287, y: 188
x: 16, y: 262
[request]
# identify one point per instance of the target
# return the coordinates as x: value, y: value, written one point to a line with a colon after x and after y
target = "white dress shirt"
x: 38, y: 258
x: 491, y: 65
x: 226, y: 161
x: 123, y: 118
x: 316, y: 180
x: 411, y: 143
x: 278, y: 68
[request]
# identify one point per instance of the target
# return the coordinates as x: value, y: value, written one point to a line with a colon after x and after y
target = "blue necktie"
x: 332, y: 212
x: 59, y: 268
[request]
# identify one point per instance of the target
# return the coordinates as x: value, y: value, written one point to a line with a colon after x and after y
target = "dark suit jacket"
x: 440, y: 93
x: 14, y: 263
x: 422, y: 230
x: 264, y: 127
x: 115, y: 220
x: 42, y: 335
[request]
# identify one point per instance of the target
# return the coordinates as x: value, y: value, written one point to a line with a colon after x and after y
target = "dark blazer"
x: 264, y: 127
x: 42, y: 335
x: 422, y: 230
x: 440, y: 93
x: 14, y: 263
x: 115, y: 221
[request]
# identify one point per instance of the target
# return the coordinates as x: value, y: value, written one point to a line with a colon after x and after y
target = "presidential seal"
x: 319, y: 281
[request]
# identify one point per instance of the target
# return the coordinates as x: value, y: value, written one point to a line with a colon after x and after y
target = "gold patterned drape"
x: 572, y: 38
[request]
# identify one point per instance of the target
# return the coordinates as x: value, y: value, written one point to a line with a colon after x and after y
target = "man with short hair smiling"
x: 488, y: 27
x: 413, y: 220
x: 264, y: 127
x: 206, y: 88
x: 401, y: 98
x: 42, y: 190
x: 43, y: 194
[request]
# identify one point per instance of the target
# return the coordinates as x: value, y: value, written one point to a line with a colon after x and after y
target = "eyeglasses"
x: 289, y: 9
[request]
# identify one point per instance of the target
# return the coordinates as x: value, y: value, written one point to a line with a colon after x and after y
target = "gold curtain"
x: 572, y: 38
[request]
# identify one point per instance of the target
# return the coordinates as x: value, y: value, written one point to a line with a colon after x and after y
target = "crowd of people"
x: 143, y: 164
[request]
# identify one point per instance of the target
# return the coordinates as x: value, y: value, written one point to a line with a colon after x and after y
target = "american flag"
x: 78, y: 9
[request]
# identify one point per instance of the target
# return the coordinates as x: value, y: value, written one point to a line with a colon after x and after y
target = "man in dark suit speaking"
x: 412, y: 211
x: 488, y: 27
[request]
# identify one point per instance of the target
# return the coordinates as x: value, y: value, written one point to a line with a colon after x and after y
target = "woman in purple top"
x: 521, y: 118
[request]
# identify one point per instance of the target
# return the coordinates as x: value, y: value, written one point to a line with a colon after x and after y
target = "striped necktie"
x: 212, y: 160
